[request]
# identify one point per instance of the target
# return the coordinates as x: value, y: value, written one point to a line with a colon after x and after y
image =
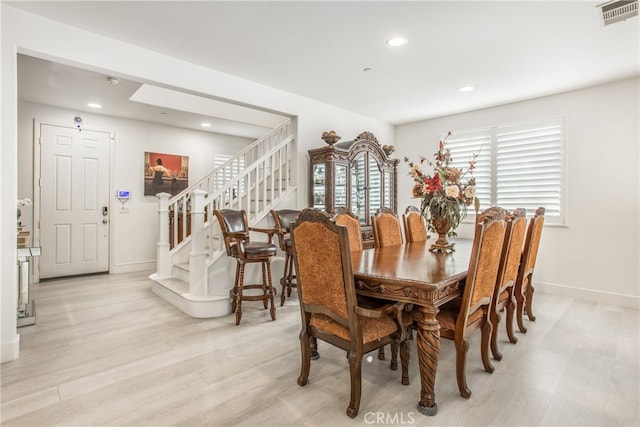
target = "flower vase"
x: 442, y: 227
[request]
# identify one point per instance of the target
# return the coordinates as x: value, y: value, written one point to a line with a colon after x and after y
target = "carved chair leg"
x: 405, y: 354
x: 270, y: 290
x: 520, y: 313
x: 234, y: 291
x: 355, y: 372
x: 314, y: 348
x: 461, y: 368
x: 305, y: 351
x: 529, y: 302
x: 381, y: 353
x: 511, y: 307
x: 495, y: 351
x: 394, y: 356
x: 486, y: 330
x: 239, y: 293
x: 284, y: 280
x: 265, y: 287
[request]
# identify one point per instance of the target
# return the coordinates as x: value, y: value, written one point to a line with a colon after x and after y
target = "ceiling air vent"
x: 617, y: 10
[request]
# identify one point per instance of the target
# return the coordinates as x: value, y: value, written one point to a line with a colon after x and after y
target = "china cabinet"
x: 357, y: 175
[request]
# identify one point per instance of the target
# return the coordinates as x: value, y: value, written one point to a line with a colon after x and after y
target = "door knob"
x: 105, y: 220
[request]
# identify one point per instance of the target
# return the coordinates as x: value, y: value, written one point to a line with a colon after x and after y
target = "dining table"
x: 413, y: 274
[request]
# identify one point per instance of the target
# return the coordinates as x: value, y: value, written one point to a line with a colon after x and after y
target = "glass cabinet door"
x: 340, y: 186
x: 319, y: 191
x: 374, y: 186
x: 388, y: 190
x: 358, y: 187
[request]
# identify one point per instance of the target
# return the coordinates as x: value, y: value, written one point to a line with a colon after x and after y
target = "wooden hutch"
x: 357, y: 175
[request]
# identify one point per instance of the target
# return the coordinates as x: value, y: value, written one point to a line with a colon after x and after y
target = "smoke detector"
x: 113, y: 80
x: 616, y: 11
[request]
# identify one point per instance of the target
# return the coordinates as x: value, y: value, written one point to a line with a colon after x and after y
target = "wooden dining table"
x: 411, y: 273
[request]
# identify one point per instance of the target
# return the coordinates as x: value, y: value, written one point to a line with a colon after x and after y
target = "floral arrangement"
x: 446, y: 193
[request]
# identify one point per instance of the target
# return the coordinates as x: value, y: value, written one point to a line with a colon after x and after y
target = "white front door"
x: 74, y: 201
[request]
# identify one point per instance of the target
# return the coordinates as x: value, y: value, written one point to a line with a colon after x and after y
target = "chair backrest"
x: 324, y: 271
x: 282, y: 220
x: 531, y: 244
x: 386, y: 228
x: 415, y: 226
x: 483, y: 265
x: 231, y: 223
x: 342, y: 216
x: 512, y: 249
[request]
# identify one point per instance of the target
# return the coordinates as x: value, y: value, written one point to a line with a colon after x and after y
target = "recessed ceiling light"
x: 467, y: 88
x: 205, y: 125
x: 94, y: 105
x: 397, y: 41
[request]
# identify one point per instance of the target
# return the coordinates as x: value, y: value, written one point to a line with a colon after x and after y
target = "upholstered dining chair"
x: 328, y: 305
x: 346, y: 218
x: 503, y: 299
x: 282, y: 220
x: 459, y: 318
x: 386, y: 232
x: 237, y: 241
x: 415, y: 226
x: 342, y: 216
x: 386, y: 228
x: 524, y: 287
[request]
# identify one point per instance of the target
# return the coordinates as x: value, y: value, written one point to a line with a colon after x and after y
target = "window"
x: 227, y: 174
x: 519, y: 165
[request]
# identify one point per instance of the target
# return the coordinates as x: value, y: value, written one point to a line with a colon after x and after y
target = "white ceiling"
x: 508, y: 50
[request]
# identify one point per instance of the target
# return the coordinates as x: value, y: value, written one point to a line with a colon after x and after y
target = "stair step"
x: 175, y: 285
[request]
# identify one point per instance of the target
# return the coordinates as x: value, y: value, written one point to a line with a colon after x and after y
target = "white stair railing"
x: 264, y: 180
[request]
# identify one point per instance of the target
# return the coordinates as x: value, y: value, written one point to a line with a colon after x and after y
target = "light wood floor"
x: 106, y: 351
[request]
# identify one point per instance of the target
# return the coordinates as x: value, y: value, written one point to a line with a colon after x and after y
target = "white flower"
x: 469, y: 192
x: 453, y: 191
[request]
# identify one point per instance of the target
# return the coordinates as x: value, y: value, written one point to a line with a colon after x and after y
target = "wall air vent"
x: 617, y: 10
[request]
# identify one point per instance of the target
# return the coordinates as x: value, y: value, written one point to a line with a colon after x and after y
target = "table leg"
x: 428, y: 342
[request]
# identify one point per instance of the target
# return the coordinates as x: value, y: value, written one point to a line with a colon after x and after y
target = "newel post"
x: 198, y: 255
x: 163, y: 259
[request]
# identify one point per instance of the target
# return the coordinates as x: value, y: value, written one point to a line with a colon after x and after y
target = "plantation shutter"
x: 463, y: 146
x: 518, y: 166
x: 529, y: 167
x: 225, y: 175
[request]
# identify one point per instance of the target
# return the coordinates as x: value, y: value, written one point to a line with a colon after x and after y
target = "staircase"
x: 193, y: 270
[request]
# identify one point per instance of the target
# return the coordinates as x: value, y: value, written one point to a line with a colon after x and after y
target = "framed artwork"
x: 165, y: 173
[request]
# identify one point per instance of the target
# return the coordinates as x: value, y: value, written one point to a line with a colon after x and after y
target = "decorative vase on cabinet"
x: 357, y: 175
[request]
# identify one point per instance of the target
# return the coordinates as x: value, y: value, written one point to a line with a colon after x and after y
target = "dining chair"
x: 346, y: 218
x: 328, y: 305
x: 342, y: 216
x: 386, y: 228
x: 460, y: 317
x: 524, y: 287
x: 238, y: 244
x: 282, y: 220
x: 386, y: 232
x: 415, y: 226
x: 503, y: 298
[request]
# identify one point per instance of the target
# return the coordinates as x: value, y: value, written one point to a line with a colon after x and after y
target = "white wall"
x: 597, y: 255
x: 32, y: 35
x: 133, y: 234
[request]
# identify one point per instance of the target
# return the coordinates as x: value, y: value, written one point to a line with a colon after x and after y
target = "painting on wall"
x: 165, y: 173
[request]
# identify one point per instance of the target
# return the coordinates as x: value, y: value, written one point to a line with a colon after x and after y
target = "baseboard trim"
x: 10, y: 350
x: 628, y: 301
x: 132, y: 267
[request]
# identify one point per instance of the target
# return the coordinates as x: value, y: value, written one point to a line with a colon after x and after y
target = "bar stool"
x: 235, y: 231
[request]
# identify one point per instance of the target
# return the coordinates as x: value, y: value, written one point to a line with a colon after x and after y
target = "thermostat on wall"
x: 124, y: 194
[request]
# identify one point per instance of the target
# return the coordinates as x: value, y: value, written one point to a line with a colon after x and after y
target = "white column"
x: 163, y: 261
x: 198, y: 255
